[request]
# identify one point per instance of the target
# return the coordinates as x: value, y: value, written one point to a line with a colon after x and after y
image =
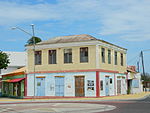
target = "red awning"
x: 16, y: 80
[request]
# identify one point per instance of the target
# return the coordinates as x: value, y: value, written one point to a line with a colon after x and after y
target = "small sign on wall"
x: 90, y: 84
x: 69, y: 86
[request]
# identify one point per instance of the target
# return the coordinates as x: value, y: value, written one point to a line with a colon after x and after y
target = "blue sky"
x: 122, y: 22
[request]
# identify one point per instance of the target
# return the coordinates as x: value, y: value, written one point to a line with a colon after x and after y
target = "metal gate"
x: 79, y: 86
x: 40, y: 86
x: 59, y: 86
x: 107, y: 86
x: 118, y: 86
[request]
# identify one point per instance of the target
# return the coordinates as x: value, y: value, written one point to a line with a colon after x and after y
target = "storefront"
x: 13, y: 84
x: 75, y: 84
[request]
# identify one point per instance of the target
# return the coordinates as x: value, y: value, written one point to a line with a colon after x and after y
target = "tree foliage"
x: 4, y: 60
x: 31, y: 40
x: 146, y: 77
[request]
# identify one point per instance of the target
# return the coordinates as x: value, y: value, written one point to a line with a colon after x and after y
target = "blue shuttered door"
x: 59, y: 86
x: 40, y: 86
x: 107, y: 86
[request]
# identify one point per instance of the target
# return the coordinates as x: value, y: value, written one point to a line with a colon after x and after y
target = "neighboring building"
x: 146, y: 86
x: 134, y: 83
x: 13, y: 84
x: 77, y: 65
x: 17, y: 60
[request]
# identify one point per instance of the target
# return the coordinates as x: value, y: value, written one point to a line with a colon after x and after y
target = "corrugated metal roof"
x: 23, y: 69
x: 19, y: 70
x: 73, y: 38
x: 66, y: 39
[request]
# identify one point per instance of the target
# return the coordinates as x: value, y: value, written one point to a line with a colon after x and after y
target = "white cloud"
x: 127, y: 18
x: 17, y: 12
x: 11, y: 12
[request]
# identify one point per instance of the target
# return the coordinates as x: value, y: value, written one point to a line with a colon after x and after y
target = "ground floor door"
x: 107, y: 86
x: 17, y: 89
x: 40, y: 86
x: 59, y: 86
x: 79, y: 86
x: 118, y: 86
x: 129, y: 84
x: 5, y: 88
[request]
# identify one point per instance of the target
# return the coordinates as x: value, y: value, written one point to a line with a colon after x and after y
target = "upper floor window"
x: 67, y: 55
x: 84, y: 54
x: 52, y: 56
x: 103, y: 55
x: 109, y: 56
x: 115, y: 57
x: 121, y: 57
x: 37, y: 57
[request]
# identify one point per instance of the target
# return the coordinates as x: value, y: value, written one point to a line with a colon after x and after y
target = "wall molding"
x: 67, y: 71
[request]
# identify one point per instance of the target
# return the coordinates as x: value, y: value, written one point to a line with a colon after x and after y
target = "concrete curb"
x: 17, y: 101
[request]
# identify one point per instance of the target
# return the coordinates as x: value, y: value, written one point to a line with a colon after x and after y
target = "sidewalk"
x: 109, y: 98
x: 128, y: 97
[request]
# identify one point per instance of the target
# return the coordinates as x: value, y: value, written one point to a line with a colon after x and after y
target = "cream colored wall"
x: 111, y: 66
x: 76, y: 65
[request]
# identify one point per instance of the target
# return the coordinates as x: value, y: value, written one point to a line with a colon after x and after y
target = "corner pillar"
x: 97, y: 84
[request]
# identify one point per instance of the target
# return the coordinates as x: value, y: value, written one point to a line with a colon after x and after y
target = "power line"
x: 134, y: 58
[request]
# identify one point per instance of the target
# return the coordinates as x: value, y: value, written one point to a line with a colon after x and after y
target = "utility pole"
x: 34, y: 43
x: 33, y: 36
x: 143, y: 69
x: 138, y: 67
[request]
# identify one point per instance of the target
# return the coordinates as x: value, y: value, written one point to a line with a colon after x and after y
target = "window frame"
x: 115, y: 58
x: 36, y: 53
x: 101, y: 85
x: 84, y: 54
x: 109, y: 56
x: 52, y: 61
x: 68, y: 56
x: 103, y: 54
x: 121, y: 59
x: 111, y: 80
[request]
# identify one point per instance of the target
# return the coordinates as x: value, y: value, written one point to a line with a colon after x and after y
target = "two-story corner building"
x: 77, y: 65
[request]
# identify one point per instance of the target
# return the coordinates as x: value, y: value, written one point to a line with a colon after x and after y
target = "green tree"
x: 4, y: 60
x: 146, y: 77
x: 31, y: 40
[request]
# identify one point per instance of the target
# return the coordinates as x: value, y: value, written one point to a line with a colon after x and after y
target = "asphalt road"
x: 134, y: 106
